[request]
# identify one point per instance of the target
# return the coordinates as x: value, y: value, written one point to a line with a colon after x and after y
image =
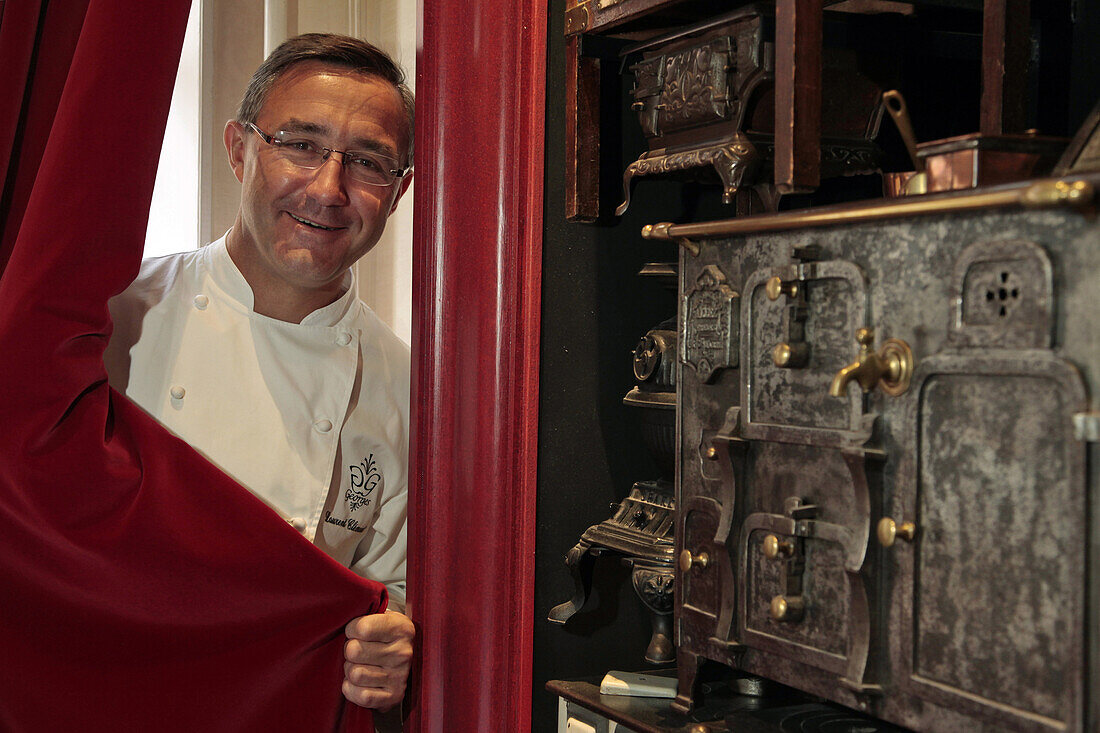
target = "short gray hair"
x: 326, y: 48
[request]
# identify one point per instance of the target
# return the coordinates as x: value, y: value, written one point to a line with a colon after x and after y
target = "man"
x: 256, y: 349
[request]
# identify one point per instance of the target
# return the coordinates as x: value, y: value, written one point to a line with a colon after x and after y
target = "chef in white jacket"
x: 256, y: 349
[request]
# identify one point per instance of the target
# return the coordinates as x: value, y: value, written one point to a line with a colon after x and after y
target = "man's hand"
x: 377, y: 656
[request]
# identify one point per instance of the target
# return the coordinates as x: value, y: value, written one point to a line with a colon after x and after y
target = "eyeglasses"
x: 303, y: 151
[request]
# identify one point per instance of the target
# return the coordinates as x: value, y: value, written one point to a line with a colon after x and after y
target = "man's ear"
x: 233, y: 136
x: 406, y: 181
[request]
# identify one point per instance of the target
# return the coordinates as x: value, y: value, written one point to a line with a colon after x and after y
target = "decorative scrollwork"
x: 849, y: 157
x: 732, y: 161
x: 654, y: 587
x: 727, y: 156
x: 710, y: 337
x: 573, y: 557
x: 695, y: 89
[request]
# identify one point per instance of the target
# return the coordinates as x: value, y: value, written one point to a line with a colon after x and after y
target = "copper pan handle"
x: 895, y: 105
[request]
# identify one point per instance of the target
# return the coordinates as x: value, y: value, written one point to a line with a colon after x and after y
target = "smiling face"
x: 299, y: 230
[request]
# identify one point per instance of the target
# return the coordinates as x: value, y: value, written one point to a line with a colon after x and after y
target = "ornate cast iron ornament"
x: 710, y: 328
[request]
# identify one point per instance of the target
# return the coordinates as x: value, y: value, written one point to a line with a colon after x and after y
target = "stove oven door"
x: 704, y: 571
x: 809, y: 591
x: 987, y: 536
x: 987, y: 540
x: 800, y: 323
x: 812, y: 478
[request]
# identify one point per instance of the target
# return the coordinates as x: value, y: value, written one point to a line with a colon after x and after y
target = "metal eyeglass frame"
x: 398, y: 173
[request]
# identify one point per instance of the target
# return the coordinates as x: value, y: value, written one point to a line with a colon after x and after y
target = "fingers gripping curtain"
x: 140, y: 588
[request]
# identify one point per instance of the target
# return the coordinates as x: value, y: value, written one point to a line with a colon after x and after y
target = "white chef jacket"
x: 311, y: 417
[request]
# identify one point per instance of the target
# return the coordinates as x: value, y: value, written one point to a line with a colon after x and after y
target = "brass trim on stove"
x: 661, y: 400
x: 1077, y: 193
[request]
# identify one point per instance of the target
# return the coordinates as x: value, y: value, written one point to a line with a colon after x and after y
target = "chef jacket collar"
x: 230, y: 280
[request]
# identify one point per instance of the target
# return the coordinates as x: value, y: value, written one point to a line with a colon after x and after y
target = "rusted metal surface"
x: 997, y: 581
x: 974, y: 617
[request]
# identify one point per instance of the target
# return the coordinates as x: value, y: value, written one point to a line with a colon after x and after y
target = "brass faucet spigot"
x: 891, y: 367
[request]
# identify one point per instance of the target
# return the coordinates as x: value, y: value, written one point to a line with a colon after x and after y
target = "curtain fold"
x: 140, y: 587
x: 37, y: 40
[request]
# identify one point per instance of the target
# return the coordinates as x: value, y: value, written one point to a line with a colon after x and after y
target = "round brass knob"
x: 776, y: 287
x: 688, y: 562
x: 712, y: 453
x: 774, y: 547
x: 889, y: 531
x: 787, y: 356
x: 787, y: 608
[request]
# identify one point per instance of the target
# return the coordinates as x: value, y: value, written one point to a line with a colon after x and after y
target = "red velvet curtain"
x: 140, y: 588
x: 37, y: 39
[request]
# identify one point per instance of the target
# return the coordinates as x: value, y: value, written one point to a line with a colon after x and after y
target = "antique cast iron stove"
x: 705, y: 99
x: 640, y: 532
x: 882, y: 487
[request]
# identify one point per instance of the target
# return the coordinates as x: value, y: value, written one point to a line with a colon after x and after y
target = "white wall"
x: 174, y: 212
x: 385, y: 275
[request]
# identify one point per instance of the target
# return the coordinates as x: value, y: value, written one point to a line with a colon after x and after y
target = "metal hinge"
x: 576, y: 19
x: 1086, y: 426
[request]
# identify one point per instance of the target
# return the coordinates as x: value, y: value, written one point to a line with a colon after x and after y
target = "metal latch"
x: 1086, y: 426
x: 576, y: 19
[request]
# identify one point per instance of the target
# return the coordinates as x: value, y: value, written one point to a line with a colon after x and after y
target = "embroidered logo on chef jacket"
x: 364, y: 478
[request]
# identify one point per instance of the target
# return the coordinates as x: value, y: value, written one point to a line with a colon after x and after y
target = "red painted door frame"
x: 481, y: 67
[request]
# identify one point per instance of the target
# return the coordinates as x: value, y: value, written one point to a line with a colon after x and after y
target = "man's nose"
x: 327, y: 185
